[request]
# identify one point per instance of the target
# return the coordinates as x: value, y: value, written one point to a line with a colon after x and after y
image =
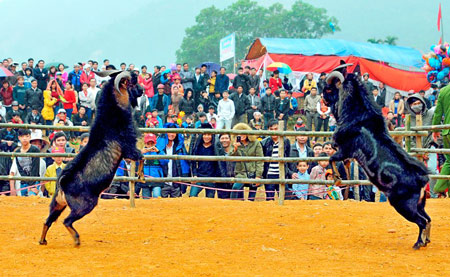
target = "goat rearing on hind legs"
x: 362, y: 135
x: 113, y: 137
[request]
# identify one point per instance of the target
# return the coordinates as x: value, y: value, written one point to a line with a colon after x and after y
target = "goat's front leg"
x: 337, y: 157
x: 136, y: 155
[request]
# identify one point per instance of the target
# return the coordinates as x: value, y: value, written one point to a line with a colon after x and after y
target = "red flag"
x: 440, y: 41
x: 439, y: 18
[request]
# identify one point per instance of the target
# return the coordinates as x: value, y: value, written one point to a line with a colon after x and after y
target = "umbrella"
x: 55, y: 64
x: 5, y: 72
x: 281, y: 67
x: 210, y: 66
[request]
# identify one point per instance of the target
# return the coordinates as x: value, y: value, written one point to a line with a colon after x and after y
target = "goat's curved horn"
x: 123, y: 74
x: 333, y: 75
x: 106, y: 73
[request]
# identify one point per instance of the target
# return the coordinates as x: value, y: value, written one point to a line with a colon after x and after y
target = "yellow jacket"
x: 51, y: 172
x: 47, y: 111
x: 212, y: 84
x: 308, y: 85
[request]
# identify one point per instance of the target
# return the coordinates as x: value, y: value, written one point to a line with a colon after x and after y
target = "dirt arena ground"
x: 211, y: 237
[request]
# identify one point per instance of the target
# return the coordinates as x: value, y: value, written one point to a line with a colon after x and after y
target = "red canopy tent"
x: 382, y: 62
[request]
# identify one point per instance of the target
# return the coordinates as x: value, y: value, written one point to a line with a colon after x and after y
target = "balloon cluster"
x: 437, y: 63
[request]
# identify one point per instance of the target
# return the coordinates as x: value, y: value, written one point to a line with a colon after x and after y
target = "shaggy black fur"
x: 362, y: 134
x: 112, y: 138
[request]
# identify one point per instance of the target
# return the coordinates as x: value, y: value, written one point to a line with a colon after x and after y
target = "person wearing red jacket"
x: 87, y: 75
x: 71, y: 99
x: 146, y: 81
x: 6, y: 95
x: 275, y: 82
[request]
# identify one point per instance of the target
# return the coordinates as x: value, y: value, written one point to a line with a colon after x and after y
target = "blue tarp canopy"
x: 404, y: 56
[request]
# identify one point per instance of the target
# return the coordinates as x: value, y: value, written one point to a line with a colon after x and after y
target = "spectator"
x: 71, y: 100
x: 25, y: 166
x: 152, y: 168
x: 299, y: 149
x: 283, y: 106
x: 317, y: 148
x: 275, y: 82
x: 62, y: 115
x: 87, y: 75
x: 379, y: 101
x: 187, y: 77
x: 161, y: 102
x: 47, y: 112
x: 204, y: 100
x: 34, y: 117
x: 301, y: 190
x: 187, y: 104
x: 286, y: 84
x: 309, y: 84
x: 205, y: 75
x: 270, y: 146
x: 204, y: 146
x: 177, y: 84
x: 176, y: 99
x: 254, y: 80
x: 241, y: 104
x: 322, y: 82
x: 16, y: 118
x: 6, y: 94
x: 257, y: 123
x: 156, y: 78
x: 31, y: 63
x: 225, y: 112
x: 268, y: 106
x: 15, y: 111
x: 311, y: 102
x: 397, y: 106
x: 202, y: 119
x: 332, y: 123
x: 333, y: 192
x: 173, y: 144
x: 59, y: 139
x: 263, y: 88
x: 324, y: 116
x: 210, y: 114
x: 212, y: 84
x: 255, y: 103
x: 316, y: 192
x: 64, y: 75
x: 28, y: 77
x: 198, y: 85
x: 242, y: 80
x: 86, y: 98
x: 246, y: 146
x: 415, y: 105
x: 226, y: 169
x: 145, y: 80
x: 382, y: 92
x: 35, y: 97
x: 22, y: 71
x: 165, y: 80
x: 84, y: 139
x: 299, y: 124
x: 81, y: 119
x: 293, y: 103
x: 54, y: 170
x: 94, y: 91
x: 222, y: 81
x: 2, y: 112
x: 367, y: 84
x: 41, y: 75
x: 75, y: 77
x: 9, y: 139
x: 427, y: 101
x: 215, y: 101
x: 20, y: 94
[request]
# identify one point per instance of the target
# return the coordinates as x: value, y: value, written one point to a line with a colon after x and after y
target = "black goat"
x: 113, y: 137
x: 362, y: 134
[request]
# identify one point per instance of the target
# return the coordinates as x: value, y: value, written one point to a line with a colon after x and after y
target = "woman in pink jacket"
x: 145, y: 80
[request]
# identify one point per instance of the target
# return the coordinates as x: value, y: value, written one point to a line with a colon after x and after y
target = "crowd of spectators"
x: 178, y: 97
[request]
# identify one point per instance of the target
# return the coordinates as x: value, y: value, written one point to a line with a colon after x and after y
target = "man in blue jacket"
x: 222, y: 81
x: 161, y: 102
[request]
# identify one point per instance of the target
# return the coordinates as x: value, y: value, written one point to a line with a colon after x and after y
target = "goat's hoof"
x: 43, y: 242
x: 417, y: 245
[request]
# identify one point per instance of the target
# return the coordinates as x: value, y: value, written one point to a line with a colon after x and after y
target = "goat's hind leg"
x: 57, y: 206
x: 79, y: 210
x: 422, y: 212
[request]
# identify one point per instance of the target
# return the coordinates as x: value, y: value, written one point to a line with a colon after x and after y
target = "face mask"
x: 417, y: 108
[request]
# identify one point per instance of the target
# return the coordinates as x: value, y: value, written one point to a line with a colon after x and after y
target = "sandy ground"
x: 211, y: 237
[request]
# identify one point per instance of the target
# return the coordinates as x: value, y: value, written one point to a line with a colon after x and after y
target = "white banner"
x: 227, y: 47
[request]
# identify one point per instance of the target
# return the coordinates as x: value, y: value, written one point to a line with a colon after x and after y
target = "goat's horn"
x: 123, y: 74
x: 106, y: 73
x: 335, y: 74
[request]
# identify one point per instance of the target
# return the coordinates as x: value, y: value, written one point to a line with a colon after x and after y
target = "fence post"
x: 356, y: 177
x: 281, y: 164
x: 419, y: 138
x: 408, y: 128
x: 131, y: 184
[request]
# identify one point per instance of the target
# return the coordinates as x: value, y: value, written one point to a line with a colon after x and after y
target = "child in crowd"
x: 299, y: 124
x: 301, y: 190
x: 84, y: 139
x: 152, y: 168
x: 317, y: 192
x: 211, y: 113
x: 332, y: 123
x: 257, y: 122
x: 333, y: 192
x: 54, y: 170
x: 213, y: 122
x: 201, y: 119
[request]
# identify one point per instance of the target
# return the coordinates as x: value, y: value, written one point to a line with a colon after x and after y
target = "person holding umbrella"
x: 275, y: 82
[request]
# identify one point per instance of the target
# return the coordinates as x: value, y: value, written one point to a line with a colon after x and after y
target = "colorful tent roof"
x: 398, y: 55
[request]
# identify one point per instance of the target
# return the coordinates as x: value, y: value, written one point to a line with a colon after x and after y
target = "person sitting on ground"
x: 301, y: 190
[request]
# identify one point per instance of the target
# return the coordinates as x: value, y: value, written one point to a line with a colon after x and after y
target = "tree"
x: 391, y: 40
x: 249, y: 20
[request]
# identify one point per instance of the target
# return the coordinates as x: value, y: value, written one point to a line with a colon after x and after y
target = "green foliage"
x: 391, y: 40
x: 249, y: 21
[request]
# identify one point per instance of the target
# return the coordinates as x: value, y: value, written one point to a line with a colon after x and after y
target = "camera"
x: 238, y: 139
